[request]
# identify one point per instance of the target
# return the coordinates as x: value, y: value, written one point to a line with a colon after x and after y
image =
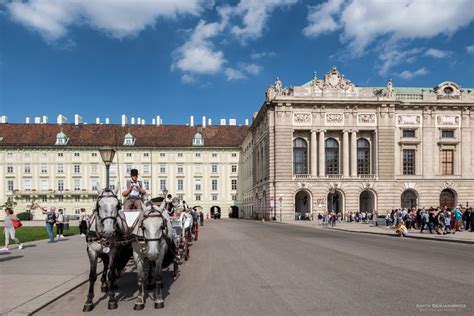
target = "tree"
x: 10, y: 203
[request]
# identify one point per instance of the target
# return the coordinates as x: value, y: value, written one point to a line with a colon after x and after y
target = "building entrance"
x: 447, y: 198
x: 409, y: 199
x: 367, y: 201
x: 335, y: 202
x: 302, y: 205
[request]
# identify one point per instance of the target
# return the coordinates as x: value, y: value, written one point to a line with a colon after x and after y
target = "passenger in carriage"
x: 134, y: 192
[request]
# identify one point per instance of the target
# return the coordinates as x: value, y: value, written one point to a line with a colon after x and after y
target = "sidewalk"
x: 41, y: 272
x: 461, y: 237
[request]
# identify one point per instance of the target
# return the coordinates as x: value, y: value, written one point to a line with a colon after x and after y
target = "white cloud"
x: 188, y: 79
x: 411, y: 74
x: 387, y: 23
x: 252, y: 69
x: 260, y: 55
x: 118, y: 18
x: 234, y: 74
x: 436, y: 53
x: 470, y: 49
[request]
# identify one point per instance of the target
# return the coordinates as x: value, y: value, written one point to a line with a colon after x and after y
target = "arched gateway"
x: 335, y: 202
x: 367, y: 201
x: 302, y: 204
x: 409, y: 199
x: 447, y: 198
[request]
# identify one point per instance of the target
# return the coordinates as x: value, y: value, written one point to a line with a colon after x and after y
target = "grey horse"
x: 151, y: 247
x: 106, y: 239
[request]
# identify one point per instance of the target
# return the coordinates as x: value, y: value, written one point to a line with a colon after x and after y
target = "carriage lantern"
x: 107, y: 154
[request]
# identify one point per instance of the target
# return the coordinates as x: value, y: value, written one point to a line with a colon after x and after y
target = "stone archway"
x: 367, y: 201
x: 409, y: 199
x: 302, y: 204
x: 447, y: 198
x: 335, y: 202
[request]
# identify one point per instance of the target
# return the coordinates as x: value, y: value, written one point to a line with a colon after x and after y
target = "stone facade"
x: 330, y: 145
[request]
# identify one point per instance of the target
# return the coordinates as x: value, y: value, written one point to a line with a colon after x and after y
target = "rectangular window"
x: 162, y: 184
x: 180, y: 169
x: 95, y: 185
x: 94, y: 168
x: 27, y: 168
x: 127, y: 169
x: 112, y: 187
x: 27, y: 155
x: 162, y: 154
x: 60, y: 168
x: 214, y: 184
x: 60, y: 155
x: 447, y: 133
x: 27, y: 199
x: 94, y: 154
x: 10, y: 168
x: 447, y: 162
x: 146, y: 184
x: 10, y: 186
x: 129, y: 154
x: 61, y: 198
x: 77, y: 168
x: 76, y: 154
x: 162, y: 168
x: 146, y: 154
x: 77, y: 198
x: 213, y: 168
x: 234, y: 197
x: 77, y: 211
x: 214, y: 155
x: 44, y: 198
x: 44, y: 168
x: 180, y: 154
x: 198, y: 197
x: 60, y: 185
x: 197, y: 155
x: 234, y: 168
x: 27, y: 184
x: 234, y: 184
x: 409, y: 133
x: 180, y: 185
x: 197, y: 184
x: 44, y: 185
x: 234, y: 155
x: 146, y: 169
x: 409, y: 161
x: 214, y: 197
x: 77, y: 184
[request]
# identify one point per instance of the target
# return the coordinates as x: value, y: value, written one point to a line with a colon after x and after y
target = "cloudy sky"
x: 104, y: 58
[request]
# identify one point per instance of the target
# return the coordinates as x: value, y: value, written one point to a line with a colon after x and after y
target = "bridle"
x: 113, y: 217
x: 150, y: 214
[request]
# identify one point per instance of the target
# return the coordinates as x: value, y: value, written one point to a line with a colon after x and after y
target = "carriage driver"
x: 134, y: 192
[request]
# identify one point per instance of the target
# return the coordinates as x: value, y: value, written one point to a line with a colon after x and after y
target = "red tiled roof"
x: 113, y: 135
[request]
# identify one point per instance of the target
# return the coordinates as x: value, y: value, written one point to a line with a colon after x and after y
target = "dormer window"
x: 198, y: 141
x: 129, y: 140
x: 61, y: 139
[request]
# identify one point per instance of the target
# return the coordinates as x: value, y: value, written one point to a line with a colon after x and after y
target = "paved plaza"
x: 241, y: 267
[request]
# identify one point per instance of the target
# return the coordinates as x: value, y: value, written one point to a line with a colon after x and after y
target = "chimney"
x: 3, y: 119
x: 203, y: 121
x: 132, y: 121
x: 45, y: 119
x: 223, y: 122
x: 61, y: 119
x: 27, y: 120
x: 246, y: 122
x: 191, y: 121
x: 143, y: 122
x: 37, y: 120
x: 97, y: 120
x: 77, y: 119
x: 107, y: 121
x: 124, y: 120
x: 158, y: 120
x: 232, y: 122
x: 209, y: 122
x: 153, y: 121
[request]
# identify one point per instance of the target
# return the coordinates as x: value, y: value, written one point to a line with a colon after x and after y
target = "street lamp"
x: 107, y: 154
x: 281, y: 201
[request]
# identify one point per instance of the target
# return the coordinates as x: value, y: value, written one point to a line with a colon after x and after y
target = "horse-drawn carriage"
x: 155, y: 238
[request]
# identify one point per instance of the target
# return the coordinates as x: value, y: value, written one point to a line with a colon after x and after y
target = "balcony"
x: 335, y: 176
x: 302, y: 176
x: 367, y: 176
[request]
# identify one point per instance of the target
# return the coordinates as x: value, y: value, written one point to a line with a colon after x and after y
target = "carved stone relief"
x: 366, y: 119
x: 448, y: 120
x: 408, y: 119
x: 302, y: 118
x: 334, y: 119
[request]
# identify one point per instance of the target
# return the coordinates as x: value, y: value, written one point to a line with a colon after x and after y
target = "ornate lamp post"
x: 281, y: 202
x: 107, y: 154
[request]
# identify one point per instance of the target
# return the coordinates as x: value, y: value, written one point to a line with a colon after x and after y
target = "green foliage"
x: 10, y: 203
x: 25, y: 216
x: 25, y: 234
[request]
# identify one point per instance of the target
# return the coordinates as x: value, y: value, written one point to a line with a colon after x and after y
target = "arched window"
x: 363, y: 156
x: 300, y: 156
x: 332, y: 156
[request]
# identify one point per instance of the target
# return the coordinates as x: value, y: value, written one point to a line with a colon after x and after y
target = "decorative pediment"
x: 334, y: 80
x: 448, y: 90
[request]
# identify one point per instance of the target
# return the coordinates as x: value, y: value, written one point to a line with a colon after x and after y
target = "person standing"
x: 50, y: 220
x: 83, y: 219
x: 9, y: 229
x: 134, y: 192
x: 59, y: 224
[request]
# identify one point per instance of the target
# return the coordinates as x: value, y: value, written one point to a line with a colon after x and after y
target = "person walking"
x: 83, y: 220
x: 9, y: 229
x: 59, y: 224
x: 50, y: 220
x: 425, y: 221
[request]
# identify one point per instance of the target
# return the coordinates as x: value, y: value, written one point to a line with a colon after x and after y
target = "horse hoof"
x: 87, y: 308
x: 112, y: 305
x: 104, y: 289
x: 138, y: 307
x: 159, y: 305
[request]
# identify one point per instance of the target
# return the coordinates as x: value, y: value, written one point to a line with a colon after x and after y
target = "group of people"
x: 53, y: 218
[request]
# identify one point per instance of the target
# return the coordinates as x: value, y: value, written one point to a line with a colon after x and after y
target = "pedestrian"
x: 83, y: 220
x: 425, y: 221
x: 375, y: 215
x: 467, y: 218
x: 471, y: 225
x: 401, y: 230
x: 457, y: 217
x: 9, y: 229
x: 388, y: 219
x: 201, y: 218
x: 59, y: 224
x: 50, y: 220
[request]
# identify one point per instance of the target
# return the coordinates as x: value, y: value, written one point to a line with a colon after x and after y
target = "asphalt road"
x: 243, y: 267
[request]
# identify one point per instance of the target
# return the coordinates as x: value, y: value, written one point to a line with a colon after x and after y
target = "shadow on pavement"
x: 10, y: 258
x: 29, y: 246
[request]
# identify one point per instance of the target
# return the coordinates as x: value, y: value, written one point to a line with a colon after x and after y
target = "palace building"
x: 327, y: 145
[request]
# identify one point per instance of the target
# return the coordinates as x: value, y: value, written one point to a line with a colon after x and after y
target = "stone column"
x: 353, y: 153
x: 313, y: 155
x: 322, y: 155
x: 345, y: 153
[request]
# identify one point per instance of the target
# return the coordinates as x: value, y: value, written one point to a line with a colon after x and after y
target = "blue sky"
x: 144, y: 58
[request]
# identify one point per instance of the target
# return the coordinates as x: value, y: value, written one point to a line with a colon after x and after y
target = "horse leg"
x: 140, y: 302
x: 159, y: 302
x: 103, y: 279
x: 88, y: 306
x: 111, y: 283
x: 150, y: 275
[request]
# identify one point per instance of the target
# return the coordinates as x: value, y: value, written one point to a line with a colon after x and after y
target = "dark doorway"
x: 302, y: 205
x: 409, y: 199
x: 367, y: 201
x: 216, y: 212
x: 335, y: 203
x: 447, y: 198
